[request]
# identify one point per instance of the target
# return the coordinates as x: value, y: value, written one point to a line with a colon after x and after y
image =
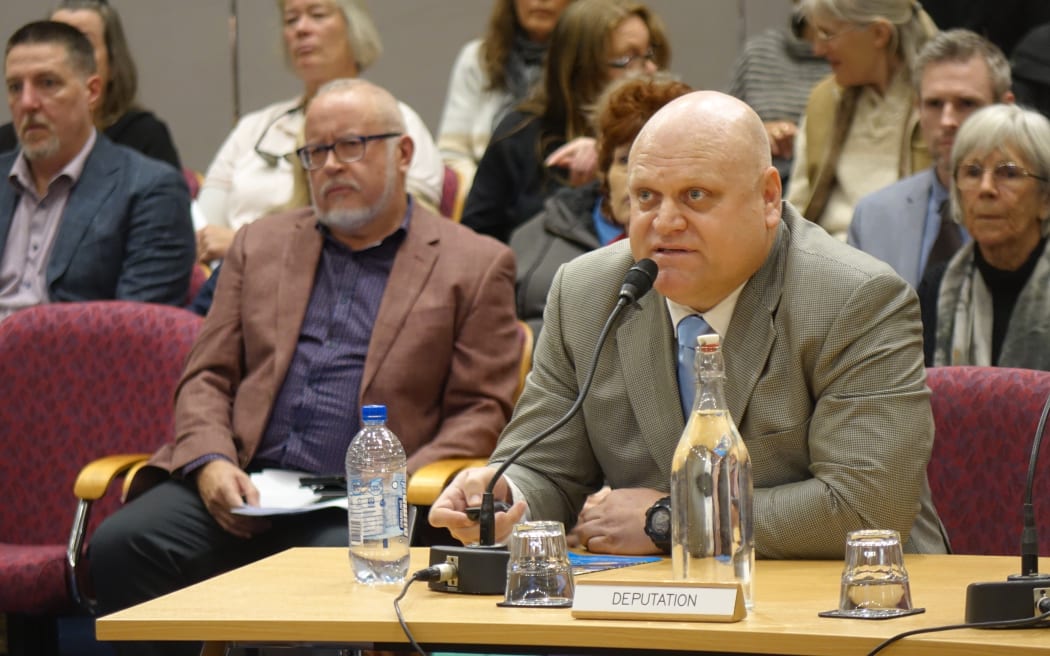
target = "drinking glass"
x: 874, y: 581
x: 538, y: 572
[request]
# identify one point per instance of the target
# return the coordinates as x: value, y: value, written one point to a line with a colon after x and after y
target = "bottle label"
x: 376, y: 513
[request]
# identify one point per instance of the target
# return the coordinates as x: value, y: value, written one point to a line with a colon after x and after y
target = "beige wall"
x: 183, y: 53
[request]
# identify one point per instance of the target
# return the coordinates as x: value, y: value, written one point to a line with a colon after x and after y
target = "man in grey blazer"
x: 81, y: 218
x: 957, y: 73
x: 822, y: 346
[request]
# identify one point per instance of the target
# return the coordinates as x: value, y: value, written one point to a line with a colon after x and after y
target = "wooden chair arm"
x: 96, y: 476
x: 429, y: 480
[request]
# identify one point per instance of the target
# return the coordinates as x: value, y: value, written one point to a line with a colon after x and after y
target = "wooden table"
x: 310, y: 596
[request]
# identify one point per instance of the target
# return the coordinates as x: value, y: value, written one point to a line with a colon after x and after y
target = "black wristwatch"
x: 658, y: 524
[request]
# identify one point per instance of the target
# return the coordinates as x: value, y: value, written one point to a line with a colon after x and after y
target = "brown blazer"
x: 443, y: 355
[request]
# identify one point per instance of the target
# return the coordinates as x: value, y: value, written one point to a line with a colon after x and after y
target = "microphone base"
x: 480, y: 570
x: 998, y: 601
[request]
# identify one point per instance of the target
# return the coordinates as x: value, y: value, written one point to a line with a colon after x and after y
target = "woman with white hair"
x: 991, y: 305
x: 860, y: 130
x: 251, y: 175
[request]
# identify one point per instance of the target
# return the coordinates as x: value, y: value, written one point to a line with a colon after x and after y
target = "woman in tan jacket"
x: 860, y: 130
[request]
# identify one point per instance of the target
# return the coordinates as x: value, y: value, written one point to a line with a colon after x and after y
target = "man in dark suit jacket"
x: 365, y: 298
x: 957, y: 72
x: 81, y: 218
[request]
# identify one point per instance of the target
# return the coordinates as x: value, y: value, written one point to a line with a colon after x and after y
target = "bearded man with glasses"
x: 365, y: 297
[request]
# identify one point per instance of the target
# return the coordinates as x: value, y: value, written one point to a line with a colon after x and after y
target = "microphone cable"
x: 440, y: 572
x: 1043, y: 607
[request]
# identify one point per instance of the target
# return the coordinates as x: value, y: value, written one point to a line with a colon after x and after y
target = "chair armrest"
x: 429, y: 480
x: 96, y: 476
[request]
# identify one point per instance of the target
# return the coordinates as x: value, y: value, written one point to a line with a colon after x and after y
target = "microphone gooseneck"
x: 636, y: 284
x: 1030, y: 533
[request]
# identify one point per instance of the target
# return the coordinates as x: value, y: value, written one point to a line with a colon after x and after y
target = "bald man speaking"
x: 822, y: 346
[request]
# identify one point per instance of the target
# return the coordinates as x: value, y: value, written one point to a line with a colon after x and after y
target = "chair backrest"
x: 985, y: 419
x: 193, y: 181
x: 197, y: 279
x: 79, y: 381
x: 453, y: 194
x: 525, y: 365
x: 449, y: 191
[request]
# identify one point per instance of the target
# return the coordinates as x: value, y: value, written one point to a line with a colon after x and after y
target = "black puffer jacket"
x: 563, y: 230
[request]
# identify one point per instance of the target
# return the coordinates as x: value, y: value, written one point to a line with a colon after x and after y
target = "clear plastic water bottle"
x: 377, y: 512
x: 712, y: 524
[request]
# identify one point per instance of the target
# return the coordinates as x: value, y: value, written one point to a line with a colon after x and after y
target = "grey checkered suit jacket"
x: 825, y: 379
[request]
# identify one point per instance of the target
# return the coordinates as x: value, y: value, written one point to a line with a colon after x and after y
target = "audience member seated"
x: 860, y: 131
x: 367, y: 298
x: 251, y: 174
x: 594, y: 42
x: 1031, y: 69
x: 117, y: 113
x: 908, y: 224
x: 491, y: 76
x: 201, y: 302
x: 989, y: 306
x: 579, y: 219
x: 822, y: 344
x: 775, y: 74
x: 81, y: 218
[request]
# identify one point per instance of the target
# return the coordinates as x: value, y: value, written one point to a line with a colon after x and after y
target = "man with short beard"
x: 81, y: 218
x: 364, y: 298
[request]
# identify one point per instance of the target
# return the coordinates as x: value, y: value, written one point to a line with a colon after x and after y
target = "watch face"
x: 660, y: 521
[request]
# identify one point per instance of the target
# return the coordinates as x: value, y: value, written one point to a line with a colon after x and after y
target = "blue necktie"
x: 689, y: 329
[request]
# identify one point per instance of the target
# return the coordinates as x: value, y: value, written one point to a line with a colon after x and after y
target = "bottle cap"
x: 708, y: 343
x: 372, y: 413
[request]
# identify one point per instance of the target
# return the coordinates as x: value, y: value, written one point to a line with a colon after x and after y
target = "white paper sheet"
x: 281, y: 494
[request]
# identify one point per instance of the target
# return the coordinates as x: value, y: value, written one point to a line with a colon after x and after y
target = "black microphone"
x: 486, y: 572
x: 1018, y: 597
x: 636, y: 283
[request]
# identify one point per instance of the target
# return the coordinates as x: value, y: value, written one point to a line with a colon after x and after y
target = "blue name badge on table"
x: 588, y: 563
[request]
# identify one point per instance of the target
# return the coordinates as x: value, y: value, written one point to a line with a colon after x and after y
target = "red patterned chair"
x: 197, y: 279
x: 78, y: 381
x: 453, y: 194
x: 986, y: 418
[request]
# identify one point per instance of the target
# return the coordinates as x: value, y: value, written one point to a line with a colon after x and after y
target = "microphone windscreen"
x: 639, y: 280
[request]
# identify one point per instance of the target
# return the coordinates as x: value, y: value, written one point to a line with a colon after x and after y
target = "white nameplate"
x: 679, y: 601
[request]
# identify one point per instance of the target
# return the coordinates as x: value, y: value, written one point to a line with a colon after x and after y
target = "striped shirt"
x: 316, y: 413
x: 775, y: 73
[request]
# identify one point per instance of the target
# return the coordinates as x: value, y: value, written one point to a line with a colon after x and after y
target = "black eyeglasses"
x: 1008, y: 174
x: 271, y: 159
x: 347, y: 150
x: 633, y: 61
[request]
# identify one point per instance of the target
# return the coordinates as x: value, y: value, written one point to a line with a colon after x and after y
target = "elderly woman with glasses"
x: 990, y: 305
x: 536, y: 149
x: 860, y: 129
x: 252, y: 173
